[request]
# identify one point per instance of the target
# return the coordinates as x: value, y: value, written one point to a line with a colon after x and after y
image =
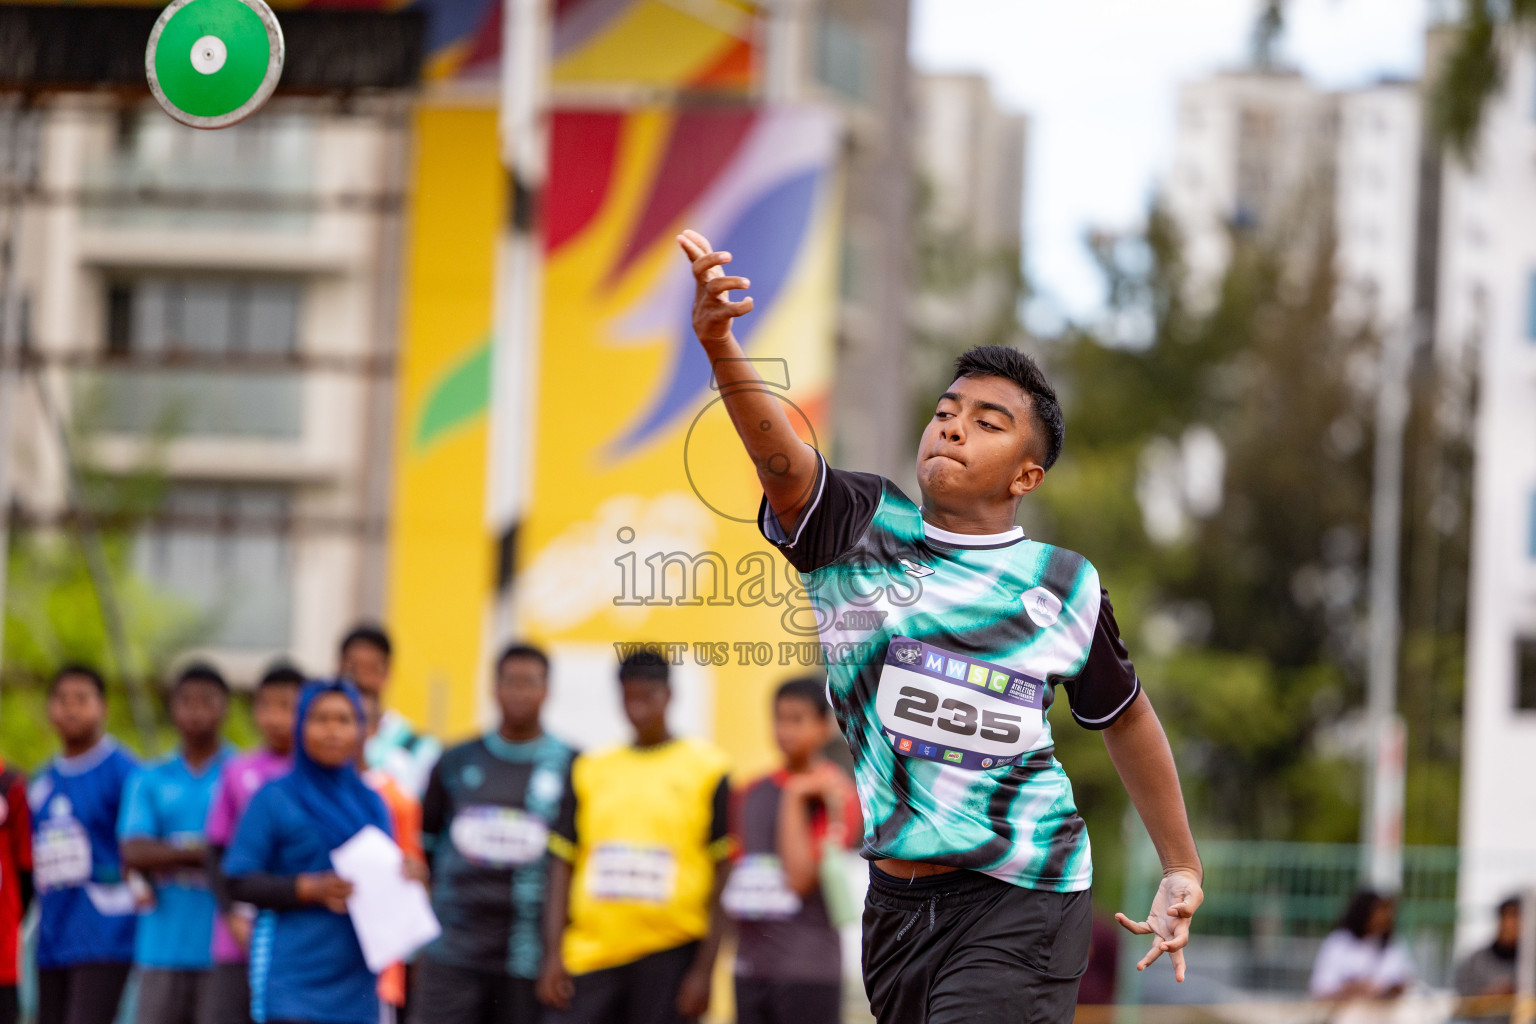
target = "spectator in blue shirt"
x: 161, y: 836
x: 86, y: 910
x: 306, y: 964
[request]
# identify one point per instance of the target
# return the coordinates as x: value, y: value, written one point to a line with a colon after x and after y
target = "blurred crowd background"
x: 411, y: 346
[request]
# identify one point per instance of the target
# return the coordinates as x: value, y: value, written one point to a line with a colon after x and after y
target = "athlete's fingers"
x: 716, y: 285
x: 697, y: 239
x: 1182, y: 909
x: 690, y: 248
x: 1177, y: 956
x: 1151, y: 957
x: 1178, y: 940
x: 1134, y: 927
x: 707, y: 267
x: 738, y: 308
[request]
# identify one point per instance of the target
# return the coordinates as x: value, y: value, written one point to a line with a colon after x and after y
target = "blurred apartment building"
x: 1445, y: 251
x: 219, y: 307
x: 1487, y: 317
x: 969, y: 167
x: 1266, y: 152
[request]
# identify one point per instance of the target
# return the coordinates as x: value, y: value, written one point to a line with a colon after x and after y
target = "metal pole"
x: 1384, y: 779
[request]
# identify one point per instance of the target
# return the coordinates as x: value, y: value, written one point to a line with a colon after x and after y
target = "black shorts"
x: 964, y: 946
x: 642, y: 992
x: 227, y: 999
x: 768, y: 1001
x: 446, y: 994
x: 83, y: 994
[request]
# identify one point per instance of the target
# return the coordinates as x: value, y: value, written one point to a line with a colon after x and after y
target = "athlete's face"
x: 365, y: 665
x: 273, y: 711
x: 521, y: 686
x: 76, y: 710
x: 981, y: 445
x: 197, y: 710
x: 332, y: 733
x: 645, y: 705
x: 800, y: 729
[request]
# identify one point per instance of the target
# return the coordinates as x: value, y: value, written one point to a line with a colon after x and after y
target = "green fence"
x: 1268, y: 906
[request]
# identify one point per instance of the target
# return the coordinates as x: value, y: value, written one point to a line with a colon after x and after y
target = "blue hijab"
x: 337, y: 800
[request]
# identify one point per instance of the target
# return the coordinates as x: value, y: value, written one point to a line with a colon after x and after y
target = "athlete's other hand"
x: 554, y: 988
x: 713, y: 309
x: 1176, y: 901
x: 324, y: 888
x: 693, y: 993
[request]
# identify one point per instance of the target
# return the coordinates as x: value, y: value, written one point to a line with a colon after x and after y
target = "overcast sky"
x: 1099, y: 78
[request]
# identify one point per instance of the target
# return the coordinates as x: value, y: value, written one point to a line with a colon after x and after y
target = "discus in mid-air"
x: 213, y: 63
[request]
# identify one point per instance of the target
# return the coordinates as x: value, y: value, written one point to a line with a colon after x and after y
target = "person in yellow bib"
x: 640, y: 855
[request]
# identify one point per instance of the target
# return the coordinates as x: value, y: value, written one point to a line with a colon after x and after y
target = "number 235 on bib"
x: 957, y: 710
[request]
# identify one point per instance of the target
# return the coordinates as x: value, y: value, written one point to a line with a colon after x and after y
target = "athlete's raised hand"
x: 1177, y: 899
x: 713, y: 309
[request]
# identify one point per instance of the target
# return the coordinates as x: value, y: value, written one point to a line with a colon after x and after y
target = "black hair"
x: 805, y: 688
x: 370, y: 634
x: 1011, y: 364
x: 1357, y: 916
x: 78, y: 670
x: 280, y: 673
x: 644, y: 666
x: 1509, y: 903
x: 519, y: 649
x: 200, y: 672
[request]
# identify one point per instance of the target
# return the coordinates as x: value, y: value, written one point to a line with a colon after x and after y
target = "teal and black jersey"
x: 486, y: 817
x: 943, y: 653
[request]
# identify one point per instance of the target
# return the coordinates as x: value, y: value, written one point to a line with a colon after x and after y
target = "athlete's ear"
x: 1029, y: 476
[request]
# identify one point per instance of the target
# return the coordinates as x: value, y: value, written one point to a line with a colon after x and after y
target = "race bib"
x: 957, y: 710
x: 758, y: 890
x: 61, y: 854
x: 498, y: 837
x: 623, y: 871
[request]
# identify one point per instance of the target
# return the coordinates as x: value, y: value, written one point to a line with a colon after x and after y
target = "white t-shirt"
x: 1342, y: 958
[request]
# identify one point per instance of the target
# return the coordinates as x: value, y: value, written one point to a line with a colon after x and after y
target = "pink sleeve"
x: 221, y: 813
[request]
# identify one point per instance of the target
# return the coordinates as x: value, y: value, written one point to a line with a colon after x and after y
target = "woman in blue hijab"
x: 306, y: 964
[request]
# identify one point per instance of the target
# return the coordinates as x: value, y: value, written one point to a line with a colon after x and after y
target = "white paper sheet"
x: 392, y: 914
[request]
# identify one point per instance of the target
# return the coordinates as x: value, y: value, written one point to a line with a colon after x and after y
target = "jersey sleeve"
x: 220, y: 825
x: 562, y: 834
x: 840, y: 510
x: 721, y: 842
x: 434, y: 807
x: 136, y: 818
x: 250, y: 851
x: 1107, y: 684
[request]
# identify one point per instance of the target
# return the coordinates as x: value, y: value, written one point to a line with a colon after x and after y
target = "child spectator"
x: 395, y: 747
x: 86, y: 913
x: 789, y: 956
x: 160, y: 833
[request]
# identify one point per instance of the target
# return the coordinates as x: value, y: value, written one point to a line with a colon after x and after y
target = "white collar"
x: 972, y: 540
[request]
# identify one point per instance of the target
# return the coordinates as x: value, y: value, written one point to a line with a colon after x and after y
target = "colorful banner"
x: 641, y: 523
x: 441, y: 552
x: 701, y: 45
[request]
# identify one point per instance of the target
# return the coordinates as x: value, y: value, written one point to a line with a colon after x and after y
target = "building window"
x: 1530, y: 309
x: 1525, y: 673
x: 203, y: 356
x: 226, y: 552
x: 843, y: 58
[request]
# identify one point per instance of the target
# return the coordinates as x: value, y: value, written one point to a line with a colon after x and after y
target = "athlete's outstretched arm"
x: 786, y: 467
x: 1139, y: 749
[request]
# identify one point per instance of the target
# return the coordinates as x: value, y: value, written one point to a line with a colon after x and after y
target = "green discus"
x: 212, y: 63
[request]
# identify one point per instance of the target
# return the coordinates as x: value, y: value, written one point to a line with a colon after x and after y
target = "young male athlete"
x: 978, y: 906
x: 86, y: 918
x: 395, y: 747
x: 640, y: 855
x: 487, y: 816
x: 161, y: 833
